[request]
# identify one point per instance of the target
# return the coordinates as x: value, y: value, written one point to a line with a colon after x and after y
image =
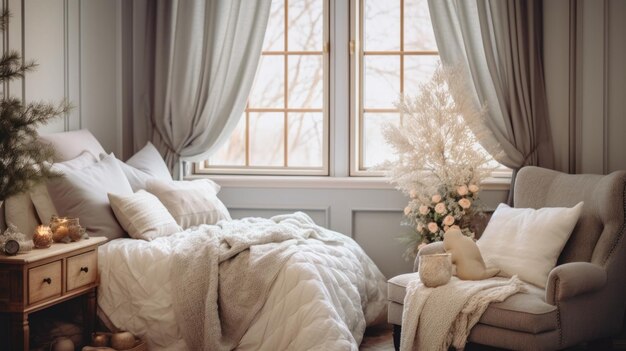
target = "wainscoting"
x: 76, y: 47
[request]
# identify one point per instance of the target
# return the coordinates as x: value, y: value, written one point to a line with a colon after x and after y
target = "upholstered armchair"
x: 585, y: 295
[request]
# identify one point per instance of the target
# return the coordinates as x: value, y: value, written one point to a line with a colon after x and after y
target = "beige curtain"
x: 194, y: 63
x: 499, y: 45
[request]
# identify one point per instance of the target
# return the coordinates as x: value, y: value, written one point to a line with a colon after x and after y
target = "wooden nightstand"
x: 45, y: 277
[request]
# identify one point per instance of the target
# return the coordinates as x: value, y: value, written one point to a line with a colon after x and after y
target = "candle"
x: 60, y: 230
x: 42, y: 238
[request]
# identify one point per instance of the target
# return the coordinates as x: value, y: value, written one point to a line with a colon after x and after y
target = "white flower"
x: 419, y: 227
x: 436, y: 198
x: 474, y: 188
x: 413, y: 193
x: 433, y: 227
x: 440, y: 208
x: 424, y: 209
x: 448, y: 220
x: 465, y: 203
x: 461, y: 190
x: 407, y: 210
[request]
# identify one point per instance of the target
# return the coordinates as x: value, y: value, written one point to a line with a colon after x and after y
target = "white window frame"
x: 201, y: 168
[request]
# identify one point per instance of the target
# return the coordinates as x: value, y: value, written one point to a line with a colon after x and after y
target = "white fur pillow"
x: 143, y: 216
x: 527, y: 242
x: 191, y: 203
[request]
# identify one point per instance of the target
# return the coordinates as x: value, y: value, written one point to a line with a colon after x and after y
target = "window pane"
x: 418, y: 70
x: 306, y: 25
x: 418, y: 30
x: 274, y: 35
x: 233, y: 153
x: 381, y: 81
x: 306, y: 139
x: 375, y: 149
x: 267, y: 139
x: 381, y: 25
x: 306, y: 78
x: 268, y: 88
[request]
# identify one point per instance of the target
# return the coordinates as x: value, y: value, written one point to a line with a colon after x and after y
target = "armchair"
x: 584, y: 296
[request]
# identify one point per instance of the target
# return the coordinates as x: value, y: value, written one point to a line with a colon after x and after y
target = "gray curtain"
x: 498, y: 43
x: 193, y: 66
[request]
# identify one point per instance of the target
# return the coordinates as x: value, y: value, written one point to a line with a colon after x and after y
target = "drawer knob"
x: 47, y: 280
x: 84, y: 269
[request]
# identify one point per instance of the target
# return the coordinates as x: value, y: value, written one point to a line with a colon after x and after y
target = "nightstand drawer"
x: 81, y: 270
x: 44, y: 282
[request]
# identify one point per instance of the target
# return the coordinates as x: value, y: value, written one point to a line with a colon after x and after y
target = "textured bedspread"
x: 322, y: 297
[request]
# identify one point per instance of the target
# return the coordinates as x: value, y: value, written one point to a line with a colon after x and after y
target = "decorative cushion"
x: 143, y: 216
x: 39, y: 193
x: 19, y: 211
x: 144, y: 165
x: 82, y: 193
x: 150, y: 161
x: 191, y: 203
x: 69, y: 145
x: 527, y: 242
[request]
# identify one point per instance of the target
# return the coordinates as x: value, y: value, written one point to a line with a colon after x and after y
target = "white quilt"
x: 322, y: 299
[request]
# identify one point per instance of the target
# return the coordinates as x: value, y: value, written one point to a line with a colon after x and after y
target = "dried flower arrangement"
x: 439, y: 164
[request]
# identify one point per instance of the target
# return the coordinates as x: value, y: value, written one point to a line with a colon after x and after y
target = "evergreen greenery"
x: 23, y: 160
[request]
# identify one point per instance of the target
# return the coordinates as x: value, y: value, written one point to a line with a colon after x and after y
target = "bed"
x: 199, y: 279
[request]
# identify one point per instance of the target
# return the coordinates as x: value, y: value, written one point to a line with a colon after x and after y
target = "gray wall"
x: 76, y: 46
x: 584, y: 55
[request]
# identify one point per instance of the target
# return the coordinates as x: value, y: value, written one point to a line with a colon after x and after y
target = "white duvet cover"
x: 322, y: 299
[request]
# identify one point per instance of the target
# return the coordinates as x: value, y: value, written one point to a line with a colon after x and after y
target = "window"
x: 284, y: 129
x: 397, y: 53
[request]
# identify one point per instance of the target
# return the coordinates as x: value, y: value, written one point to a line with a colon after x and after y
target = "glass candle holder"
x: 42, y: 238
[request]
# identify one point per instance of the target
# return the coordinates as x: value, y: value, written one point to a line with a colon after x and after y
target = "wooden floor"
x: 380, y: 339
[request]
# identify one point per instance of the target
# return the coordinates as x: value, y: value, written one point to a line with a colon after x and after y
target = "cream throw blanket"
x: 436, y: 318
x: 223, y: 274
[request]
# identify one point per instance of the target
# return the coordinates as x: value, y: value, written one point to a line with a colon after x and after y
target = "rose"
x: 461, y: 190
x: 448, y: 220
x: 424, y: 210
x: 407, y: 210
x: 445, y: 228
x: 436, y: 198
x: 440, y: 208
x: 465, y: 203
x: 433, y: 227
x: 474, y: 188
x: 413, y: 194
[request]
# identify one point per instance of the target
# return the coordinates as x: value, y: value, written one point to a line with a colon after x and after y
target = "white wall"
x: 584, y: 55
x: 75, y: 44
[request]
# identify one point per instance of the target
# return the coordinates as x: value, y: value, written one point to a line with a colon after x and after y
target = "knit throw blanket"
x: 437, y: 318
x: 222, y: 275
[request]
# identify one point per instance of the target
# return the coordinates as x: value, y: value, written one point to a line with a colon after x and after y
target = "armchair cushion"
x: 573, y: 279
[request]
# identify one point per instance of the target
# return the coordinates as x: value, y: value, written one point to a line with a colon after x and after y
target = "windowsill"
x: 499, y: 182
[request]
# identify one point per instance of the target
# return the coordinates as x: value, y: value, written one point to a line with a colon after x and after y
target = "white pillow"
x: 82, y: 193
x: 69, y: 145
x: 151, y: 162
x: 147, y: 163
x: 191, y: 203
x: 143, y: 216
x: 527, y: 242
x: 39, y: 193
